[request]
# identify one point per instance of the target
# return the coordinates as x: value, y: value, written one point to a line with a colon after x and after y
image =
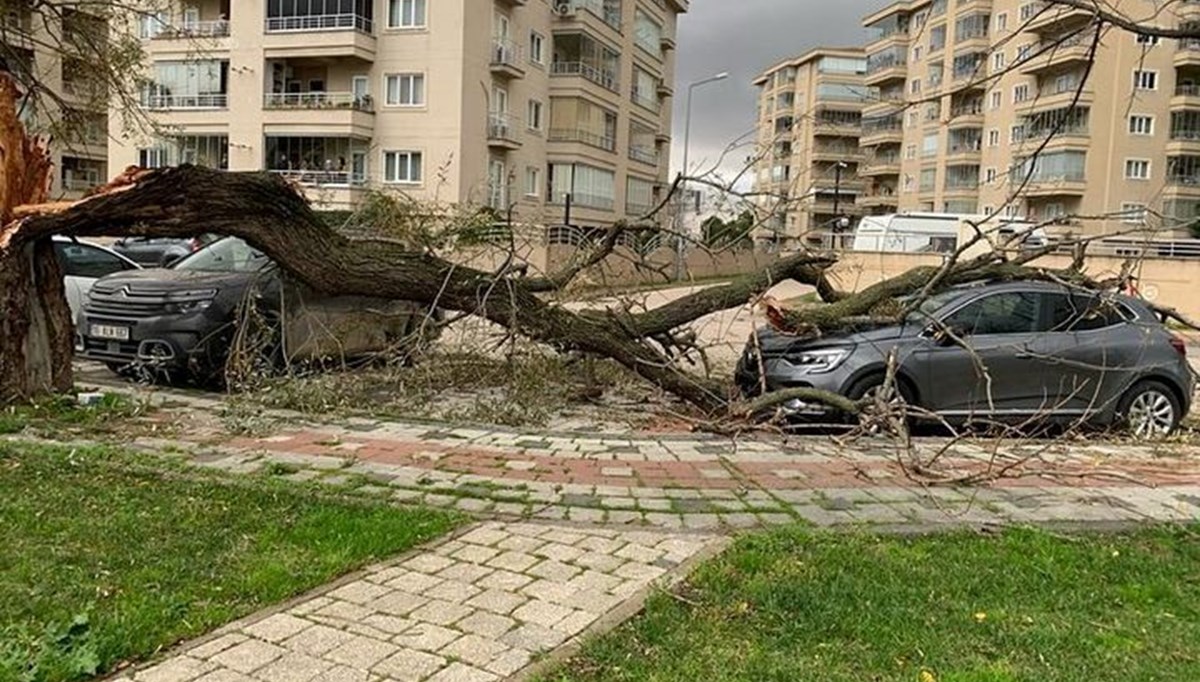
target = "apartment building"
x: 538, y: 107
x: 808, y: 161
x: 982, y: 105
x: 46, y: 54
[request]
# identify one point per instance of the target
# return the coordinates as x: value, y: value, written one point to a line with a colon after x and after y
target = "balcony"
x: 837, y: 124
x: 602, y: 14
x: 1050, y: 56
x: 194, y: 30
x: 884, y: 71
x: 880, y: 165
x: 212, y: 101
x: 878, y: 199
x: 968, y: 115
x: 965, y: 151
x: 1056, y: 98
x: 1053, y: 187
x: 871, y: 136
x: 1186, y: 97
x: 506, y: 60
x: 1188, y: 53
x: 320, y: 35
x: 847, y: 153
x: 644, y: 154
x: 333, y: 169
x: 1184, y: 141
x: 502, y: 131
x: 341, y: 113
x: 1047, y: 19
x: 607, y: 142
x: 645, y: 100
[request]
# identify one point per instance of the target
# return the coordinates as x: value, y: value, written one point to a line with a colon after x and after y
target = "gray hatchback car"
x: 1014, y: 352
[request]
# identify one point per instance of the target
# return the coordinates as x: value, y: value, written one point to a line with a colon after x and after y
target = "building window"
x: 1020, y: 93
x: 406, y: 90
x: 535, y: 115
x: 997, y: 99
x: 1001, y: 22
x: 998, y: 62
x: 533, y: 181
x: 1145, y: 80
x: 989, y: 175
x: 912, y: 119
x: 153, y: 157
x: 1143, y: 39
x: 914, y: 86
x: 1016, y: 134
x: 1141, y: 125
x: 910, y: 152
x: 1133, y: 213
x: 150, y: 25
x: 402, y: 167
x: 993, y: 138
x: 406, y: 13
x: 647, y: 34
x: 537, y: 48
x: 917, y: 53
x: 1137, y: 169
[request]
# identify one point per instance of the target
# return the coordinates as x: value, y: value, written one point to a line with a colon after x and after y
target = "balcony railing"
x: 332, y: 178
x: 502, y: 127
x: 585, y: 200
x: 644, y: 154
x: 610, y: 16
x: 210, y: 101
x: 318, y: 100
x: 216, y: 28
x: 504, y: 53
x: 1190, y: 134
x: 600, y: 76
x: 319, y: 22
x: 645, y: 100
x: 587, y: 137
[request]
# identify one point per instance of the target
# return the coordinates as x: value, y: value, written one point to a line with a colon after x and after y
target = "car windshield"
x: 228, y: 255
x: 935, y: 303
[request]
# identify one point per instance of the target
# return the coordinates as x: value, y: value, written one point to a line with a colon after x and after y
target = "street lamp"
x: 680, y: 241
x: 837, y: 186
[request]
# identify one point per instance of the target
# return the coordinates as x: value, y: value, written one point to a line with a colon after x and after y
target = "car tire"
x: 1149, y: 410
x: 865, y: 386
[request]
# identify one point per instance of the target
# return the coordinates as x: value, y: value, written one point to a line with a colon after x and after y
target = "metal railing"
x: 643, y: 100
x: 602, y: 77
x: 502, y: 127
x: 587, y: 137
x: 1188, y: 90
x: 318, y: 100
x: 319, y: 22
x: 215, y: 28
x: 210, y: 101
x: 504, y: 53
x: 334, y: 178
x: 644, y: 154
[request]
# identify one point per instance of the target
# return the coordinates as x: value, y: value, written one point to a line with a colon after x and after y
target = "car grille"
x: 124, y: 302
x: 114, y: 349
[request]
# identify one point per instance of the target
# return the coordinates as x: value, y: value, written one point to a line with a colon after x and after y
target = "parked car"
x: 1049, y: 351
x: 157, y: 252
x: 181, y: 320
x: 83, y: 263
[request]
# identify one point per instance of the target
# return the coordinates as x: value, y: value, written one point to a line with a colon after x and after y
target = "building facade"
x: 807, y: 165
x: 512, y: 104
x: 45, y: 53
x: 1025, y: 108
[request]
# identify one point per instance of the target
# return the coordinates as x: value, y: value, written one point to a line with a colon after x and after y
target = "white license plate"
x: 108, y: 331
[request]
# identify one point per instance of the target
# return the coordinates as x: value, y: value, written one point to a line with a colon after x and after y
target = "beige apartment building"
x: 807, y: 165
x: 46, y: 53
x: 512, y: 104
x: 983, y: 105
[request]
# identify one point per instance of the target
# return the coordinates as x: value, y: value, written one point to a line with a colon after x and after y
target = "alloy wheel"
x: 1151, y: 414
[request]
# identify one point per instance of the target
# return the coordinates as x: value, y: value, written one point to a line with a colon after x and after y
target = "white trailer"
x: 938, y: 232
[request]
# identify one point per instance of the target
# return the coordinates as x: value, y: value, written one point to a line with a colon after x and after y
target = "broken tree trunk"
x: 35, y: 324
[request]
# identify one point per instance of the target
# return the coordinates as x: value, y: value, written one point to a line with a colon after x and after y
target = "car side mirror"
x: 947, y: 336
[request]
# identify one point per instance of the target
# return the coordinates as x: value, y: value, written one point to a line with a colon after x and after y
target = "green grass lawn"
x: 795, y: 605
x: 107, y: 557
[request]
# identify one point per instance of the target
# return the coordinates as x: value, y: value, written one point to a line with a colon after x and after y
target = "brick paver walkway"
x: 700, y: 482
x: 479, y: 607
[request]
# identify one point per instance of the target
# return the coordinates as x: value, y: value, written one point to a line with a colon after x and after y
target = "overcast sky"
x: 744, y: 37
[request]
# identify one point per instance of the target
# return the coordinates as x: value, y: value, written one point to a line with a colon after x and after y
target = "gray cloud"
x: 744, y: 37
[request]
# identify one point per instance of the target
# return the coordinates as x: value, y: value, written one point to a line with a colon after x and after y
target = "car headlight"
x: 190, y: 301
x: 818, y: 360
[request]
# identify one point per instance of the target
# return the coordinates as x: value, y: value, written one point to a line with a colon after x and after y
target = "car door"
x: 1095, y: 350
x: 976, y: 361
x: 82, y: 265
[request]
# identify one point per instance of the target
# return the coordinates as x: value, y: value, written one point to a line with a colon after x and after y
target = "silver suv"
x: 1016, y: 352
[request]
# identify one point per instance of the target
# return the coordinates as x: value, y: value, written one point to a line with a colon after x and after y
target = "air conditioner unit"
x: 564, y: 8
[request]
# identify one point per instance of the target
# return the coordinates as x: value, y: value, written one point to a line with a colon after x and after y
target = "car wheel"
x: 1149, y: 410
x: 869, y: 387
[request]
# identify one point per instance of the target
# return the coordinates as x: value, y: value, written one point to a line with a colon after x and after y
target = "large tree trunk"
x: 35, y: 325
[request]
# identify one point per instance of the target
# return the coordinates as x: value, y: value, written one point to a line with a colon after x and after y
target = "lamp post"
x: 680, y: 241
x: 837, y: 187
